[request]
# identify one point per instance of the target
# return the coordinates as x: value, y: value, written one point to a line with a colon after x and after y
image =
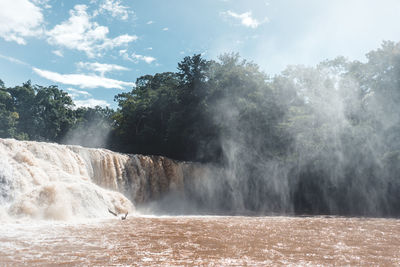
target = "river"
x: 202, y: 240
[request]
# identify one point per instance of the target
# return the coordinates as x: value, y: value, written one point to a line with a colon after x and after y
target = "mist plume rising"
x: 312, y: 140
x: 93, y: 128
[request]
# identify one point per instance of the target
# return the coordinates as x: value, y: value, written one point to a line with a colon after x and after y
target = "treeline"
x: 323, y: 139
x: 33, y: 112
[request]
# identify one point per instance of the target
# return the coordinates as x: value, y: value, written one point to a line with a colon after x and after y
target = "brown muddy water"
x: 219, y: 241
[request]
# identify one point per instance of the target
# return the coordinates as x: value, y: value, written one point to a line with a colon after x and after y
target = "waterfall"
x: 51, y: 181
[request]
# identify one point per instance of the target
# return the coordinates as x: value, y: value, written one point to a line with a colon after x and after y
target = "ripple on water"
x: 203, y: 240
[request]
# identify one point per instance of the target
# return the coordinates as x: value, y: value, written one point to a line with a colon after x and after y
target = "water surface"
x: 172, y: 241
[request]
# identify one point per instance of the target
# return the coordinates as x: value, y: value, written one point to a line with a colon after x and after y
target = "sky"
x: 96, y: 49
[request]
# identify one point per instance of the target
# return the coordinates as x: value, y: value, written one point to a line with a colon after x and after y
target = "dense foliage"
x: 322, y: 139
x: 32, y: 112
x: 185, y: 115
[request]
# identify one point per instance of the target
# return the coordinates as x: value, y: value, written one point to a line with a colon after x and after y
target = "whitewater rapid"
x: 50, y: 181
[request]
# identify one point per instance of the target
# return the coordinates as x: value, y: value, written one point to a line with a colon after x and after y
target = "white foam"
x: 57, y: 182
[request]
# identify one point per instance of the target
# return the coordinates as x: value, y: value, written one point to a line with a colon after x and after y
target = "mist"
x: 92, y: 129
x: 88, y: 135
x: 311, y: 140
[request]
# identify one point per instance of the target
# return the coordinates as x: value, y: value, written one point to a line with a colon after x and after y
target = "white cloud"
x: 79, y: 33
x: 165, y: 29
x: 58, y: 53
x: 115, y: 8
x: 245, y: 18
x: 118, y: 41
x: 14, y: 60
x: 146, y: 59
x: 91, y: 103
x: 100, y: 67
x: 19, y: 19
x: 123, y: 52
x: 43, y: 3
x: 74, y: 93
x: 83, y: 81
x: 135, y: 57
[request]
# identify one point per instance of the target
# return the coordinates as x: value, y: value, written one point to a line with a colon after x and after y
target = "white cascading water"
x: 50, y: 181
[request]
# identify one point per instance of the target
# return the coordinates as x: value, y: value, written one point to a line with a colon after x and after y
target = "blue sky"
x: 96, y: 49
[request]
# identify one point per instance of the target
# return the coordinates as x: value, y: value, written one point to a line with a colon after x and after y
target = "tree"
x: 53, y: 113
x: 189, y: 126
x: 22, y: 101
x: 43, y: 113
x: 144, y: 113
x: 8, y: 117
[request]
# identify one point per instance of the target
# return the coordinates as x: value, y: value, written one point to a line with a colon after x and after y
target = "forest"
x: 330, y: 132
